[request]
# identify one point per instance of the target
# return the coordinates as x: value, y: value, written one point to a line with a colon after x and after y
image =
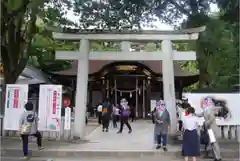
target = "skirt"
x: 191, y: 143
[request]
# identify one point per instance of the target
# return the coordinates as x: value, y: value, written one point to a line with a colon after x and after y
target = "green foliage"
x: 26, y: 27
x: 218, y: 55
x: 18, y: 30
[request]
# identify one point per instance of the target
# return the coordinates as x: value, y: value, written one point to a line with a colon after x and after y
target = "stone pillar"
x: 144, y: 97
x: 108, y: 87
x: 148, y: 99
x: 81, y: 92
x: 115, y: 90
x: 136, y: 103
x: 103, y: 82
x: 125, y: 46
x: 90, y: 98
x: 168, y: 83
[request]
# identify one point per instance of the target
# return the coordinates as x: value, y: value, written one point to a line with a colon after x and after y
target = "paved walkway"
x: 141, y: 138
x: 98, y: 143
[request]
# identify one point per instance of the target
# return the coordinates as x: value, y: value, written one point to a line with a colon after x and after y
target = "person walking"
x: 162, y: 121
x: 28, y: 125
x: 124, y: 116
x: 208, y: 113
x: 99, y: 113
x: 106, y: 115
x: 191, y: 141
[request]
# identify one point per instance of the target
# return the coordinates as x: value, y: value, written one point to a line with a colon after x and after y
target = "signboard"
x: 153, y: 104
x: 16, y: 98
x: 231, y: 102
x: 49, y: 111
x: 67, y: 119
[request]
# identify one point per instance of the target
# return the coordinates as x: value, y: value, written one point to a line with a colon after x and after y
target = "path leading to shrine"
x: 100, y: 144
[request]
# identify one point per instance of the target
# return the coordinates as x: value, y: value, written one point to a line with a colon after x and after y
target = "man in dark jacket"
x: 106, y: 115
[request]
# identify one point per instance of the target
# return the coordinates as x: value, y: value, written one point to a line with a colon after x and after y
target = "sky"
x: 158, y: 24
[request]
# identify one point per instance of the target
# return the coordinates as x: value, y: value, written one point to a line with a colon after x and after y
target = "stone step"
x: 162, y: 158
x: 68, y: 153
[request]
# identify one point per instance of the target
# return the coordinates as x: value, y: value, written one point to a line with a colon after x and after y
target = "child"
x: 28, y: 127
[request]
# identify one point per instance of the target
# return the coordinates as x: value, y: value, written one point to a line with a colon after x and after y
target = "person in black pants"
x: 125, y: 111
x: 25, y: 143
x: 124, y: 120
x: 106, y: 115
x: 28, y: 127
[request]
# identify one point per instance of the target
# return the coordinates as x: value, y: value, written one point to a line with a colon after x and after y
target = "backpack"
x: 105, y: 110
x: 27, y: 126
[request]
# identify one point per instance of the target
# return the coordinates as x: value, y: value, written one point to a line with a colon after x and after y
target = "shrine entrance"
x: 167, y: 55
x: 130, y: 80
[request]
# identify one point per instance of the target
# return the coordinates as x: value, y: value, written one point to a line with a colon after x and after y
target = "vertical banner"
x: 49, y: 111
x: 67, y: 118
x: 16, y: 98
x: 153, y: 104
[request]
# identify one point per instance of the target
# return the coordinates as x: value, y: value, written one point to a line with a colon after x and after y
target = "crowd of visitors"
x: 188, y: 125
x: 117, y: 113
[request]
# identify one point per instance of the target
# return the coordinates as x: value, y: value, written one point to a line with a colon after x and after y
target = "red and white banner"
x: 16, y: 98
x: 50, y: 103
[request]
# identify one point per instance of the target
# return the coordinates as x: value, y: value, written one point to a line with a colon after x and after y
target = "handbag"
x: 26, y: 129
x: 211, y: 135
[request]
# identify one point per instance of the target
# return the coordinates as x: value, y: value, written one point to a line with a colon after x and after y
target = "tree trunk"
x: 196, y: 21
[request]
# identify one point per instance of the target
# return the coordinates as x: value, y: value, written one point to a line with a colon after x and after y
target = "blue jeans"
x: 162, y: 138
x: 25, y: 142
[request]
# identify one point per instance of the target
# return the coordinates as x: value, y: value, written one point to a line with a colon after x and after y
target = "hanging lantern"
x: 130, y: 94
x: 120, y: 93
x: 139, y: 91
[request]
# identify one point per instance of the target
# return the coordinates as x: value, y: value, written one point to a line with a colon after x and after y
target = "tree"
x: 18, y: 29
x: 43, y: 51
x: 112, y: 14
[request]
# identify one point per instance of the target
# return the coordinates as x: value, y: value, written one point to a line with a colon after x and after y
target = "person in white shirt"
x: 99, y: 113
x: 191, y: 142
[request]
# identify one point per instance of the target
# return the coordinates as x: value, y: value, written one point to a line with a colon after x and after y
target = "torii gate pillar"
x: 81, y: 91
x: 168, y: 83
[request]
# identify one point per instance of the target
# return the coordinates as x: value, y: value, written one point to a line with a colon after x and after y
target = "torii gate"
x: 167, y: 55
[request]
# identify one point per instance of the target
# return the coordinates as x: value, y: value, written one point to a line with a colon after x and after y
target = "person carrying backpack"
x: 28, y: 127
x: 106, y: 115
